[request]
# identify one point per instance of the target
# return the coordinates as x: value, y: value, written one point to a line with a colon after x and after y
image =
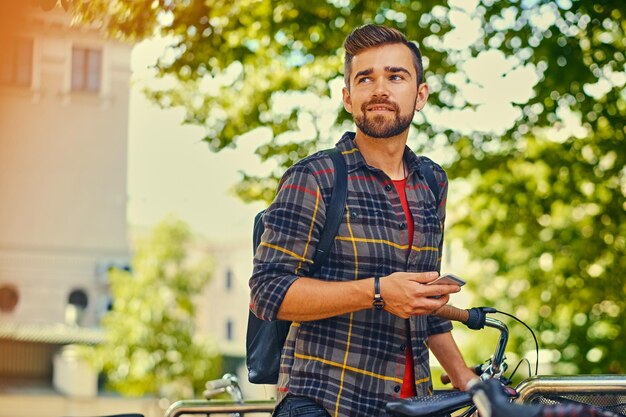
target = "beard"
x: 380, y: 127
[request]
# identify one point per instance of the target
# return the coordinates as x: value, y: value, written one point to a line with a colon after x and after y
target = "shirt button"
x: 402, y: 348
x: 354, y: 214
x: 402, y: 226
x: 388, y: 187
x: 396, y: 388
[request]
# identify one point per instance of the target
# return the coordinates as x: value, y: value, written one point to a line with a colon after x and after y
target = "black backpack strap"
x: 427, y: 171
x: 257, y: 230
x: 335, y: 210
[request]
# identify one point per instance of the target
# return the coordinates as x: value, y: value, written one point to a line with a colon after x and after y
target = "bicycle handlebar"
x: 218, y: 384
x: 474, y: 318
x: 452, y: 313
x: 227, y: 384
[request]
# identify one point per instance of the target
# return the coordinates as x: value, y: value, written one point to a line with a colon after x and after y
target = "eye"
x: 396, y: 77
x: 363, y: 80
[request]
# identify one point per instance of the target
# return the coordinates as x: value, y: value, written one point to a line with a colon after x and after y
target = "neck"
x: 384, y: 154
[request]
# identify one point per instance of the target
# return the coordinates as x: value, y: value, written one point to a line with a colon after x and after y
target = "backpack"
x: 265, y: 339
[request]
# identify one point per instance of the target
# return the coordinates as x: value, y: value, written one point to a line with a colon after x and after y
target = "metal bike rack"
x: 606, y: 391
x: 210, y: 407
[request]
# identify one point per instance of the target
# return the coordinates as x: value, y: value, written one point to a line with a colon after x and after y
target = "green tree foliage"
x: 547, y: 208
x: 152, y: 347
x: 544, y: 208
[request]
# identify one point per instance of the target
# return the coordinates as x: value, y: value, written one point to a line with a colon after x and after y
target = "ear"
x: 422, y: 96
x: 347, y: 100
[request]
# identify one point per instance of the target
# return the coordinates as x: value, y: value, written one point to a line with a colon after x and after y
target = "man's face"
x: 383, y: 93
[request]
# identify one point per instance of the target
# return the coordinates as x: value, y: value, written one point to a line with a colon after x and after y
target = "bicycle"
x: 491, y: 400
x: 235, y: 407
x: 548, y: 393
x: 536, y: 396
x: 228, y: 384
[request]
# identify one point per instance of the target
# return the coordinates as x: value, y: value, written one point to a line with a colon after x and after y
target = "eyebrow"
x: 387, y: 69
x: 363, y: 73
x: 398, y: 69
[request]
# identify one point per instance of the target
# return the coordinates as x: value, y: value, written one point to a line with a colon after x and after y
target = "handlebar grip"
x: 212, y: 393
x: 218, y: 384
x: 478, y: 370
x: 474, y: 318
x: 452, y: 313
x: 228, y: 380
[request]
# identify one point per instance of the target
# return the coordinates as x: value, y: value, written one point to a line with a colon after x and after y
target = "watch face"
x: 378, y: 303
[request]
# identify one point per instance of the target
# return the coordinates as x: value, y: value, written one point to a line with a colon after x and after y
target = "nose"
x: 380, y: 88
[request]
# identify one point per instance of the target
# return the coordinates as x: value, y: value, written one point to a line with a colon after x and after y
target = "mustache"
x: 382, y: 101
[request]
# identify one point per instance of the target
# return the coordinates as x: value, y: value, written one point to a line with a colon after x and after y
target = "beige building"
x: 223, y: 310
x: 63, y: 149
x: 63, y: 160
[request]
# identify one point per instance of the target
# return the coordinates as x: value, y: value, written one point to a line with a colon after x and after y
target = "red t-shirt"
x: 408, y: 383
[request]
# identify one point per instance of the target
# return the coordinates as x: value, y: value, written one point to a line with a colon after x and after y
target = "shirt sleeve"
x: 292, y: 224
x: 438, y: 325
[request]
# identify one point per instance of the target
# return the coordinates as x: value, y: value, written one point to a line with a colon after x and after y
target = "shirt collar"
x: 354, y: 159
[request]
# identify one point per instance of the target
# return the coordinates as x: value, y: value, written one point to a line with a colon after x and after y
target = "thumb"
x: 424, y: 277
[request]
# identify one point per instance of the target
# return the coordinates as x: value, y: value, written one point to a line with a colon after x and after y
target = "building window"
x: 76, y: 304
x: 228, y: 279
x: 17, y: 66
x: 86, y: 69
x: 9, y: 297
x: 229, y: 329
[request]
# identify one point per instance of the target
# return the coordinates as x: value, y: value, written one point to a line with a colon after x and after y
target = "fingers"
x: 416, y: 306
x: 437, y: 290
x: 421, y: 277
x: 406, y: 294
x: 409, y: 279
x: 419, y: 306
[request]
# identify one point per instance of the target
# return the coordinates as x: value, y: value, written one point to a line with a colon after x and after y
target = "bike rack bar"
x: 208, y: 407
x: 561, y: 384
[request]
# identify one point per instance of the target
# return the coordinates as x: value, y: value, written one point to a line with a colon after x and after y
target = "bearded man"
x: 363, y: 326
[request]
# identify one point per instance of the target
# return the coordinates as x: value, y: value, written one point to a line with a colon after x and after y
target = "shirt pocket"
x: 427, y: 226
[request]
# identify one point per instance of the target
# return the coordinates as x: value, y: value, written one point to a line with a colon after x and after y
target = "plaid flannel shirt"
x: 354, y: 363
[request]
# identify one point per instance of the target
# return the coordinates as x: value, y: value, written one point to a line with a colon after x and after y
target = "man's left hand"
x: 464, y: 379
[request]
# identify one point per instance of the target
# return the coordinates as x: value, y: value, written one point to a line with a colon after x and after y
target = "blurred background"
x: 139, y: 138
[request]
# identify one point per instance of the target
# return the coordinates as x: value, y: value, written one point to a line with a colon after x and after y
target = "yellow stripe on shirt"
x: 308, y: 239
x: 345, y: 357
x: 349, y: 368
x: 287, y: 251
x: 386, y: 242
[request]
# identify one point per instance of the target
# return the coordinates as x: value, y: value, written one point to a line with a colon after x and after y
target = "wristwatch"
x: 378, y: 302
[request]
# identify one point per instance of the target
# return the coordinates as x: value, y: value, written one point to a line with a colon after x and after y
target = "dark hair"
x: 369, y: 36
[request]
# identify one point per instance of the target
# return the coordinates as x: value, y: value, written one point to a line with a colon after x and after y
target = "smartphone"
x: 450, y: 279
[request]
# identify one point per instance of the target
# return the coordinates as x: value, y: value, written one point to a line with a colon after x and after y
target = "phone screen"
x: 450, y: 279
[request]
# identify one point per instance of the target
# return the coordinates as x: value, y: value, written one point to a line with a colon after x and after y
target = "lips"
x: 378, y: 107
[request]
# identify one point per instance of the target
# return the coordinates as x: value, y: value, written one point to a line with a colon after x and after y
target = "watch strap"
x: 378, y: 302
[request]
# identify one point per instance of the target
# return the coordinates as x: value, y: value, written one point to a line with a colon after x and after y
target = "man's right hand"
x: 406, y: 293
